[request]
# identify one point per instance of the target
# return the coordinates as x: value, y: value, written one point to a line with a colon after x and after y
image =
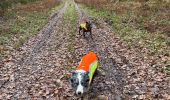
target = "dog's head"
x: 89, y: 24
x: 80, y: 82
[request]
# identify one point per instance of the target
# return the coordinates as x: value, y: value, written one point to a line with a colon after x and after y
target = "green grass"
x: 18, y: 27
x: 70, y: 21
x: 166, y: 69
x: 157, y: 43
x: 8, y: 3
x: 32, y: 24
x: 70, y: 17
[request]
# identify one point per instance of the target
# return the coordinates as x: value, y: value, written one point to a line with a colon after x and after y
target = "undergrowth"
x: 17, y: 27
x: 156, y: 42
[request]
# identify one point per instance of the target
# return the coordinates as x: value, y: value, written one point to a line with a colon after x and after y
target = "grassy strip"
x: 157, y: 43
x: 70, y: 19
x: 4, y: 4
x: 18, y: 27
x: 29, y: 27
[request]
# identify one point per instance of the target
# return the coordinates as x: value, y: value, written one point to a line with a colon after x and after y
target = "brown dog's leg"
x: 79, y: 30
x: 91, y: 34
x: 84, y: 34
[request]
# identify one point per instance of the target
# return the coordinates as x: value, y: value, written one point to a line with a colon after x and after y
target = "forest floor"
x: 40, y: 69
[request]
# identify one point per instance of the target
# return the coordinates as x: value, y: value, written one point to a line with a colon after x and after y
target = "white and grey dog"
x: 82, y: 77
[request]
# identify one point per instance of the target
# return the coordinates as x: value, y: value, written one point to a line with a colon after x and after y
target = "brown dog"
x: 85, y: 26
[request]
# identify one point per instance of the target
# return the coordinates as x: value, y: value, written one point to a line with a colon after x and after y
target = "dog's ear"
x: 74, y: 74
x: 72, y: 77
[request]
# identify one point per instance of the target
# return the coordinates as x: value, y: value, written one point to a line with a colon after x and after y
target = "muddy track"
x: 124, y: 73
x: 111, y: 80
x: 40, y: 69
x: 30, y: 68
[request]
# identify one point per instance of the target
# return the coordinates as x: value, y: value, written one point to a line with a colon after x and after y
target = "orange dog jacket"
x: 89, y: 63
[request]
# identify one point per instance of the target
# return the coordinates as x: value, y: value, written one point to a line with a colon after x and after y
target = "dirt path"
x: 40, y: 69
x: 125, y: 73
x: 32, y: 72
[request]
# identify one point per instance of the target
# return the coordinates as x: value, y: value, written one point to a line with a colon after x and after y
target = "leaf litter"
x: 38, y: 69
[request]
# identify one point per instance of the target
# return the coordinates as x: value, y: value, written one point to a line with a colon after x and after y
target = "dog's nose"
x: 79, y: 93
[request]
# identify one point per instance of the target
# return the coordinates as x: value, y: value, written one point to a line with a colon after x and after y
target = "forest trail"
x: 41, y: 68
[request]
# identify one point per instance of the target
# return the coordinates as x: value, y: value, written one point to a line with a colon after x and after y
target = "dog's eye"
x: 71, y: 80
x: 77, y: 83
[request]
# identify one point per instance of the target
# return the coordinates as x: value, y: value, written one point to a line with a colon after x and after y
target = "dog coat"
x: 89, y: 63
x: 83, y: 26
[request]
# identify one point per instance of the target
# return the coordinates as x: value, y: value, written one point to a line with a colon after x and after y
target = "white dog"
x: 82, y: 77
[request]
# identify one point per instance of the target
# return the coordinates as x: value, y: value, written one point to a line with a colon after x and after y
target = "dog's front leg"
x: 84, y: 34
x: 79, y: 30
x: 91, y: 34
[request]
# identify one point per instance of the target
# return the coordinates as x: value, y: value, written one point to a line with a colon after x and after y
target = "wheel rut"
x: 41, y: 67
